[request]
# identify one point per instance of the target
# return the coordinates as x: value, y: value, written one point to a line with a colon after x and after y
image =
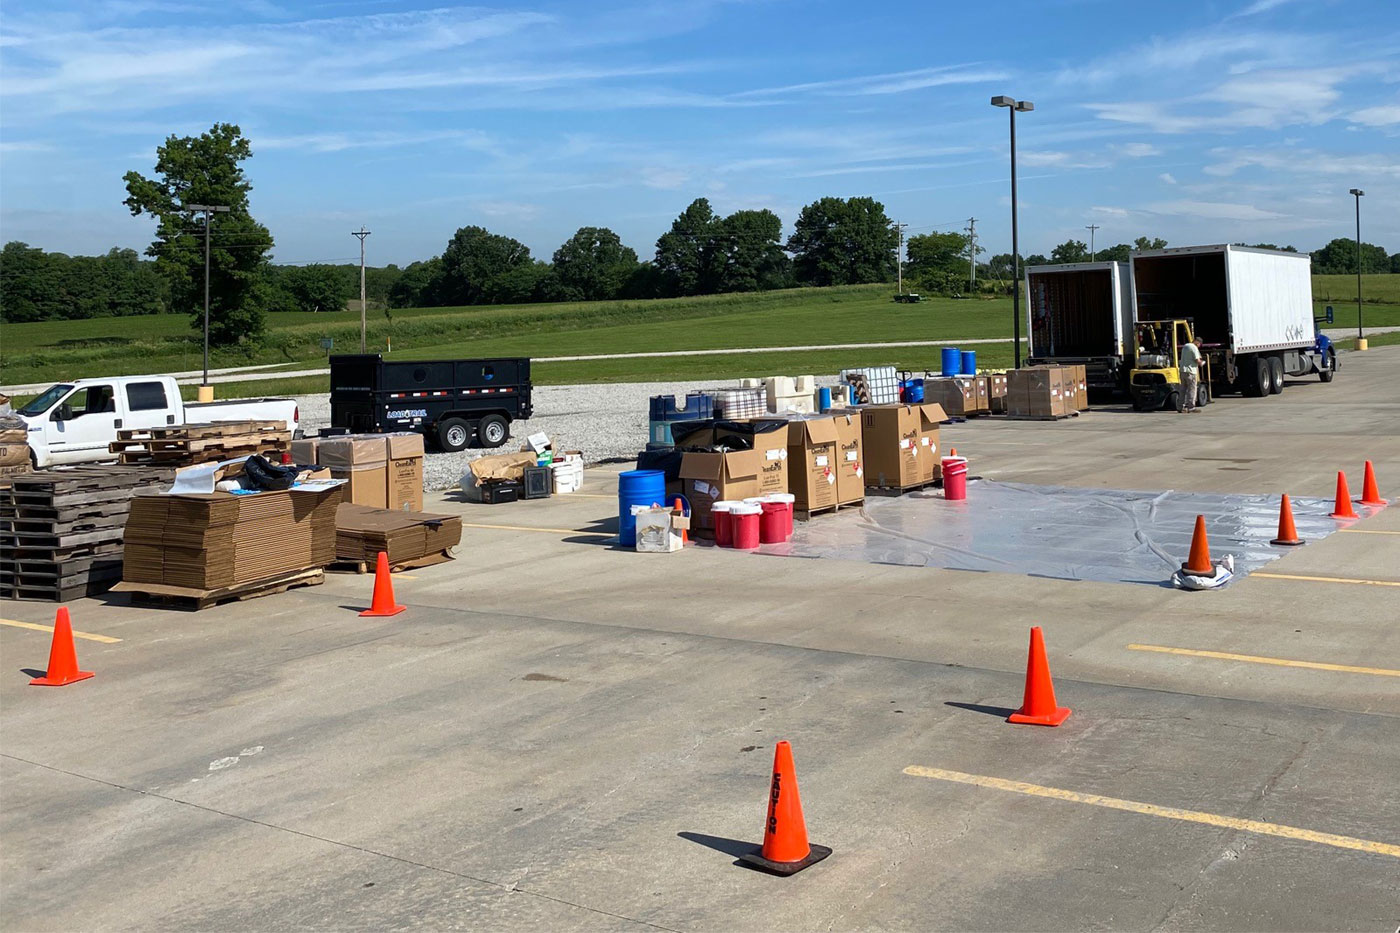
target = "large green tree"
x: 593, y: 264
x: 933, y: 259
x: 418, y: 285
x: 39, y: 286
x: 473, y: 257
x: 843, y: 242
x: 748, y: 245
x: 1070, y: 251
x: 320, y: 287
x: 1339, y: 257
x: 686, y: 256
x: 206, y: 169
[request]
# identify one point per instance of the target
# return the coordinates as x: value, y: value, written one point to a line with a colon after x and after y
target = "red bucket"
x: 724, y: 522
x: 955, y: 477
x: 773, y: 522
x: 786, y: 499
x: 745, y: 520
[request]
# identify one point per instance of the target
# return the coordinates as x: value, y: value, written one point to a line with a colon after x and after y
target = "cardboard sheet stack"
x: 362, y: 532
x: 212, y: 541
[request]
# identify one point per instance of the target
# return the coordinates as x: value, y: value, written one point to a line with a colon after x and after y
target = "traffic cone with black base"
x: 1038, y: 705
x: 1287, y: 533
x: 383, y: 603
x: 1370, y: 493
x: 1199, y: 561
x: 1343, y: 508
x: 786, y: 850
x: 63, y: 656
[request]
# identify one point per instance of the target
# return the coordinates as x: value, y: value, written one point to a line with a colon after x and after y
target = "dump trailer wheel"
x: 492, y: 431
x: 1276, y: 375
x: 453, y: 434
x: 1329, y: 370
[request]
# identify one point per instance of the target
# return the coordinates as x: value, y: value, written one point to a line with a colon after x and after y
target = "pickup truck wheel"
x: 492, y: 431
x: 1276, y: 375
x: 453, y: 434
x: 1329, y: 370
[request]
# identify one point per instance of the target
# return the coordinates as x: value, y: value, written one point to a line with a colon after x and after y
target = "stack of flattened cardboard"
x: 210, y: 541
x: 362, y: 532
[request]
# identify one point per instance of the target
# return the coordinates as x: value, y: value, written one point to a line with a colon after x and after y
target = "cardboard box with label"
x: 813, y: 453
x: 362, y: 460
x: 405, y: 473
x: 931, y: 415
x: 957, y: 394
x: 1037, y: 392
x: 773, y: 469
x: 706, y: 478
x: 1081, y: 381
x: 890, y: 438
x: 850, y: 458
x: 305, y: 451
x: 996, y: 393
x: 983, y: 392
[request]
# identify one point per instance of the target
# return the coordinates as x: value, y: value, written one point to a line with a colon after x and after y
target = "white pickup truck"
x: 73, y: 422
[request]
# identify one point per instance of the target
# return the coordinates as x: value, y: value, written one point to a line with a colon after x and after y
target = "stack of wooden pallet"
x: 187, y: 444
x: 61, y: 530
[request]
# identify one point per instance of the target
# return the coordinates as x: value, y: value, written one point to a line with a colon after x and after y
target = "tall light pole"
x: 1091, y: 228
x: 1012, y: 106
x: 361, y: 233
x: 208, y: 209
x: 1360, y: 337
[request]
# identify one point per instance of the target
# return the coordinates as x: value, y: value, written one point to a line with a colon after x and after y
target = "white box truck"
x: 1252, y: 308
x: 1082, y: 312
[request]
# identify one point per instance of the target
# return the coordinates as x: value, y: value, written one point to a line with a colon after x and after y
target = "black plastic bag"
x: 264, y: 475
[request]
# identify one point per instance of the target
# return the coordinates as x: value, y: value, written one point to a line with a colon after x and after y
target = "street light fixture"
x: 204, y: 387
x: 1360, y: 337
x: 1012, y: 105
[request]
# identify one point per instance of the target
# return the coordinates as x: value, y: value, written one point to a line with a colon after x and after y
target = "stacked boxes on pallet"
x: 362, y: 532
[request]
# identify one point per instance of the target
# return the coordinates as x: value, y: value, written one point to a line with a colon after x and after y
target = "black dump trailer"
x: 451, y: 402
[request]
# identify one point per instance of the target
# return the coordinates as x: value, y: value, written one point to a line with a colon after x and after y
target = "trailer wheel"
x: 1329, y: 370
x: 453, y: 434
x: 492, y: 431
x: 1259, y: 385
x: 1276, y: 375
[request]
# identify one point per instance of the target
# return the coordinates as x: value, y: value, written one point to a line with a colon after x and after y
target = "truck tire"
x: 453, y: 434
x: 492, y: 431
x: 1256, y: 379
x: 1276, y: 375
x: 1329, y: 370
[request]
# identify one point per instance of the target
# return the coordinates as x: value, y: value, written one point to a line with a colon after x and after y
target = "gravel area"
x: 607, y: 421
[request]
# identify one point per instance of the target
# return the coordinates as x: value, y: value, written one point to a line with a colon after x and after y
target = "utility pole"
x: 208, y: 209
x: 899, y: 256
x: 1091, y: 228
x: 361, y: 234
x: 1360, y: 335
x: 972, y: 250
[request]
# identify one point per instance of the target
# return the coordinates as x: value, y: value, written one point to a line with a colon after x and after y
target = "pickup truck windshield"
x: 45, y: 401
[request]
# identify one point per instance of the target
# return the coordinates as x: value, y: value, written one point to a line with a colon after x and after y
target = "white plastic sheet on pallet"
x: 1065, y: 533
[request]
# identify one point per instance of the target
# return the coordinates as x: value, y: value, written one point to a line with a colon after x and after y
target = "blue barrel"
x: 824, y: 399
x: 916, y: 391
x: 969, y: 362
x: 636, y: 487
x: 952, y: 361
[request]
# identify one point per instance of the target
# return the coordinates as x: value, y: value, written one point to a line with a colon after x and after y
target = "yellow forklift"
x: 1155, y: 380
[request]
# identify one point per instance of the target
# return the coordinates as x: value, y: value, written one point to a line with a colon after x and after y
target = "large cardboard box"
x: 405, y: 472
x: 850, y: 459
x: 996, y: 392
x: 773, y: 470
x: 983, y: 388
x: 706, y: 478
x: 1037, y: 391
x: 306, y: 450
x: 890, y: 437
x: 957, y: 395
x: 812, y: 451
x: 362, y: 460
x: 931, y: 415
x: 1081, y: 389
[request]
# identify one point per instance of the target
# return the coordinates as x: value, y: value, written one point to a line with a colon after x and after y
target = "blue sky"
x: 1199, y: 122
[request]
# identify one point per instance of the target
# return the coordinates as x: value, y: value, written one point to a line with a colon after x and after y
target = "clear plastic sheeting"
x: 1066, y: 533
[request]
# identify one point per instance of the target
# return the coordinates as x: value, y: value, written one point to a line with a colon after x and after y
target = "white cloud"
x: 1168, y: 177
x: 1212, y: 210
x: 895, y: 82
x: 1173, y: 56
x: 1259, y: 6
x: 1381, y: 115
x: 666, y: 178
x: 512, y: 209
x: 1048, y: 157
x: 1136, y: 150
x: 337, y: 142
x: 1110, y: 211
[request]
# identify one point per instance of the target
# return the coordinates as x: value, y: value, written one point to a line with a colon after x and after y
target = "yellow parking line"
x: 1255, y: 659
x: 1295, y: 576
x: 558, y: 531
x: 105, y: 639
x: 1152, y: 809
x: 1366, y: 531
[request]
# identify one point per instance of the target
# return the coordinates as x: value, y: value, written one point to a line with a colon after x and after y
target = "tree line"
x: 834, y: 241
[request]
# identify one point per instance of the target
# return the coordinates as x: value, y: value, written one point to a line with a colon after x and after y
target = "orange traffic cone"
x: 1199, y: 561
x: 1370, y: 494
x: 63, y: 656
x: 1287, y: 533
x: 785, y: 847
x: 1343, y: 508
x: 952, y: 451
x: 383, y: 603
x: 685, y: 535
x: 1038, y: 705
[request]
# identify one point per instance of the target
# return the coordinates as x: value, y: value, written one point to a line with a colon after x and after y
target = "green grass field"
x: 854, y: 314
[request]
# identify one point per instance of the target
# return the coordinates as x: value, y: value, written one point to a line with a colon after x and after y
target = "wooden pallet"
x: 805, y: 515
x: 202, y: 430
x: 900, y: 490
x: 1073, y: 414
x: 368, y: 566
x: 179, y: 597
x: 189, y: 444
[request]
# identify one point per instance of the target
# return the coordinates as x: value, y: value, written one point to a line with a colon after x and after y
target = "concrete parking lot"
x: 559, y: 733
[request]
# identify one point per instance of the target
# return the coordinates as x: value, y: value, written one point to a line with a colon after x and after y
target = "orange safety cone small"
x: 952, y: 451
x: 63, y: 656
x: 1342, y: 508
x: 383, y: 603
x: 786, y: 850
x: 1199, y: 561
x: 685, y: 535
x: 1287, y: 532
x: 1038, y: 706
x: 1370, y: 493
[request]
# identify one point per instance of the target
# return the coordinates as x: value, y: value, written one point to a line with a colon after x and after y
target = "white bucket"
x: 567, y: 475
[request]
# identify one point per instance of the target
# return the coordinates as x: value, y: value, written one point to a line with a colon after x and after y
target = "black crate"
x: 537, y: 482
x: 494, y: 493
